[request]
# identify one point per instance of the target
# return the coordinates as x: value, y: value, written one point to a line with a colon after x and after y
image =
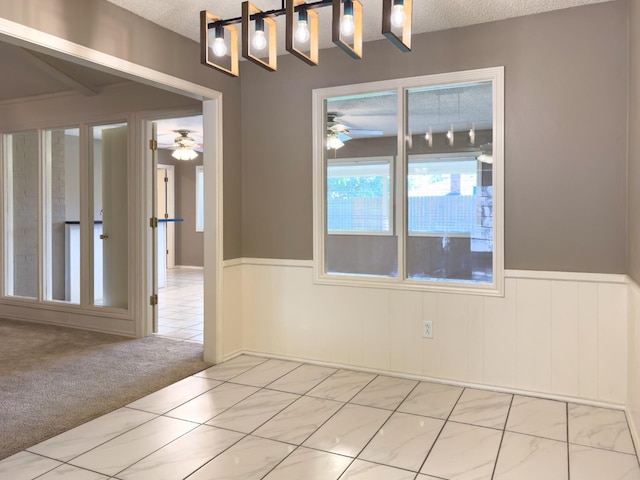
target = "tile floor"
x: 253, y: 418
x: 180, y: 305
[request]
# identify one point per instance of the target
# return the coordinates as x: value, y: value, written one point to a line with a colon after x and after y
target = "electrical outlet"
x: 427, y: 329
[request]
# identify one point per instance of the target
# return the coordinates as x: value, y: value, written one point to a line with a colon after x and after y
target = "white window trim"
x: 496, y: 288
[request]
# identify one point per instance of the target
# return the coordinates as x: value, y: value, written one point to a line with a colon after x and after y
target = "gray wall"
x: 189, y: 243
x: 633, y: 207
x: 103, y: 26
x: 566, y: 141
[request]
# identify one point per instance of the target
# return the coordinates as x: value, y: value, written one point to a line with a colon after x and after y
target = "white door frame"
x: 23, y: 36
x: 171, y: 211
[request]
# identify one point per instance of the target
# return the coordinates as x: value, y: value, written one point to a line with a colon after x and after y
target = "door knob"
x: 104, y: 236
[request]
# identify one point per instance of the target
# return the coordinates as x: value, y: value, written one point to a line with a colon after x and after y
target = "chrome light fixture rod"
x: 273, y: 13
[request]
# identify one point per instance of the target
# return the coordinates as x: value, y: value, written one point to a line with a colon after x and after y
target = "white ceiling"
x: 182, y: 16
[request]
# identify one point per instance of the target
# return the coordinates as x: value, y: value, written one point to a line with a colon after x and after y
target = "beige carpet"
x: 53, y: 378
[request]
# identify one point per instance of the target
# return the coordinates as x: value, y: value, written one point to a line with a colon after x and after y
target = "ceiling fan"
x: 339, y: 131
x: 184, y: 146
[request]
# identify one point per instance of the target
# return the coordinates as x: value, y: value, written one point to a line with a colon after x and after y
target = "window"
x: 408, y: 183
x: 359, y: 196
x: 199, y: 198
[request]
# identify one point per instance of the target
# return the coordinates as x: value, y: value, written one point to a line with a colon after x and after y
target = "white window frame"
x: 199, y: 198
x: 496, y: 288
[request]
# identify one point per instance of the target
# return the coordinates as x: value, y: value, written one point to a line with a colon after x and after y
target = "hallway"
x: 180, y: 305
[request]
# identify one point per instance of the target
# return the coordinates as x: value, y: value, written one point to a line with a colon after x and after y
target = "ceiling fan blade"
x: 366, y: 132
x: 344, y: 137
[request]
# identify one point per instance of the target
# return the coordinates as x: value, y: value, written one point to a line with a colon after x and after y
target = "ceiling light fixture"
x: 396, y: 22
x: 184, y: 146
x: 220, y: 51
x: 304, y: 42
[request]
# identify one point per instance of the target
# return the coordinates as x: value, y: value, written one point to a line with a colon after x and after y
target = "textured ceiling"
x: 182, y: 16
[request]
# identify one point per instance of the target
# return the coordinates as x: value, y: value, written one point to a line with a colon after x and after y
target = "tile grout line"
x: 441, y: 430
x: 495, y: 465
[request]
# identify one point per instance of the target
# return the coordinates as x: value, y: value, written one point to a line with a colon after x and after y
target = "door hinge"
x: 153, y: 300
x: 153, y: 144
x: 166, y: 179
x: 153, y: 222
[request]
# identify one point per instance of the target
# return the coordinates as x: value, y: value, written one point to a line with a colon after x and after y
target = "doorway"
x: 180, y: 243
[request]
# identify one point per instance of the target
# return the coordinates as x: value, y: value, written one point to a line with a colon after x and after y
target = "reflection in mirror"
x: 418, y: 210
x: 449, y: 185
x: 361, y: 144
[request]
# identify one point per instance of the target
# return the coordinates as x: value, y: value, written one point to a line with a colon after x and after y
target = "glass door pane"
x: 62, y: 214
x: 109, y: 154
x: 21, y: 210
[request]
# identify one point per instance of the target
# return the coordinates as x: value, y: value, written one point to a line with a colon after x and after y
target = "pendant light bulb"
x: 219, y: 47
x: 347, y: 26
x: 259, y: 41
x: 397, y: 15
x: 302, y: 32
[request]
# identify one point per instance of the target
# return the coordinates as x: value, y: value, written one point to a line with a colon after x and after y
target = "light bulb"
x: 259, y: 41
x: 219, y: 47
x: 347, y: 26
x: 302, y: 32
x: 397, y: 15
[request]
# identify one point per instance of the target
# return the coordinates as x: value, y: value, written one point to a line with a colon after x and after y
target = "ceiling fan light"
x: 334, y: 142
x: 184, y: 153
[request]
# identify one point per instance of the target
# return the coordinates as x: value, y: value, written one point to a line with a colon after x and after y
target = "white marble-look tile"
x: 249, y: 459
x: 403, y: 441
x: 385, y: 392
x: 431, y: 400
x: 69, y: 472
x: 302, y: 379
x: 586, y: 463
x: 252, y: 412
x: 265, y: 373
x: 212, y: 403
x: 83, y: 438
x: 361, y: 470
x: 121, y: 452
x: 174, y: 395
x: 523, y: 457
x: 483, y: 408
x: 599, y: 427
x: 539, y: 417
x: 342, y: 385
x: 299, y: 420
x: 26, y: 466
x: 232, y: 368
x: 463, y: 452
x: 310, y: 465
x: 184, y: 456
x: 349, y: 430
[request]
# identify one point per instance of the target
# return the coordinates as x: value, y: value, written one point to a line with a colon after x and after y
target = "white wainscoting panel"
x: 563, y: 335
x: 232, y: 309
x: 633, y: 399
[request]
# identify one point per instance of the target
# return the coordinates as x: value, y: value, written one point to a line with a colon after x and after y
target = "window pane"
x: 359, y: 196
x: 450, y: 183
x: 361, y: 143
x: 110, y: 240
x: 62, y: 224
x: 21, y: 195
